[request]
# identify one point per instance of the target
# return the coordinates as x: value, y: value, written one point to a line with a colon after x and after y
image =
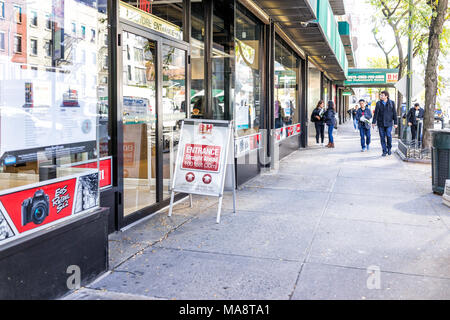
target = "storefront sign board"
x: 205, y: 160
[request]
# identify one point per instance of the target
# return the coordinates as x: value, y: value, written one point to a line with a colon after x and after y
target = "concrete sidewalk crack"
x: 309, y: 248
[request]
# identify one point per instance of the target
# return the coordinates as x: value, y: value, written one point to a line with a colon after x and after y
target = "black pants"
x: 414, y: 132
x: 320, y: 131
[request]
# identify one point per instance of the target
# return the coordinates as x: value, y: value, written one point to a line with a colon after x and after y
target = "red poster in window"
x: 105, y: 171
x: 32, y: 208
x: 201, y: 157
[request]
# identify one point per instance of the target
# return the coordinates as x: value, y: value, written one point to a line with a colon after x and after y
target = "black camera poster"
x: 29, y: 209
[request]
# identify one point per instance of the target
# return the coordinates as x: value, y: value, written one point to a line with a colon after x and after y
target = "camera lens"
x: 39, y: 214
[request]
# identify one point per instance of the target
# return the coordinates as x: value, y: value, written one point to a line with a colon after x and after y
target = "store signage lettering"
x: 150, y: 21
x: 201, y: 157
x: 371, y: 76
x: 61, y: 199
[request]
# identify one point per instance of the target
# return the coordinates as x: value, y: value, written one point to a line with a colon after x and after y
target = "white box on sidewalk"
x: 446, y: 195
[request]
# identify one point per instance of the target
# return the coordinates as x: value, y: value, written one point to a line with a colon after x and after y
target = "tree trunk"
x: 436, y: 27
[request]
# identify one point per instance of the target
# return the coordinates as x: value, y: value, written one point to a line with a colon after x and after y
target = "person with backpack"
x: 363, y: 115
x: 330, y: 120
x: 385, y: 116
x: 317, y: 117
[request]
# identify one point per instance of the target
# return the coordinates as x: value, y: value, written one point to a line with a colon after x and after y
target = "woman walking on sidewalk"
x: 317, y: 117
x: 330, y: 120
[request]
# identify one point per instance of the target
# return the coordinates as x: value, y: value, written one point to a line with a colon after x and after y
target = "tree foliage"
x: 393, y: 16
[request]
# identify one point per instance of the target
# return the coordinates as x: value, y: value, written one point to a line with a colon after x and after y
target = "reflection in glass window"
x: 2, y: 41
x: 313, y: 94
x: 285, y: 92
x: 174, y: 107
x: 223, y: 62
x: 17, y: 44
x: 2, y: 9
x: 17, y: 14
x: 52, y: 99
x: 197, y: 102
x: 248, y: 77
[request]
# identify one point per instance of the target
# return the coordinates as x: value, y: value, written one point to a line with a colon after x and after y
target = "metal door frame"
x: 160, y: 40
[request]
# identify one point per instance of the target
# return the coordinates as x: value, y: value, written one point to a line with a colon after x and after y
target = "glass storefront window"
x: 222, y: 58
x: 313, y: 95
x: 247, y: 111
x: 286, y: 111
x: 139, y: 122
x: 50, y: 101
x: 174, y: 108
x: 197, y: 103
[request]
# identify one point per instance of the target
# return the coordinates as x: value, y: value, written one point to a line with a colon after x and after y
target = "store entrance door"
x: 153, y: 99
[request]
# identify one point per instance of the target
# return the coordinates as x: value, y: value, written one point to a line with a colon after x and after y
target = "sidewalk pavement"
x: 330, y: 224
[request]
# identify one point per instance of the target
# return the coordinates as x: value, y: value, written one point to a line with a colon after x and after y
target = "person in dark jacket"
x: 363, y: 115
x: 385, y: 116
x: 414, y: 114
x: 355, y: 122
x: 318, y: 118
x: 330, y: 120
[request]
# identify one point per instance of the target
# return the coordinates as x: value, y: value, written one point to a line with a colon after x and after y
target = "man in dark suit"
x: 384, y: 117
x: 414, y: 114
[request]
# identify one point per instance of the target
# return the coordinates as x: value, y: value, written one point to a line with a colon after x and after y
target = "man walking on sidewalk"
x: 363, y: 115
x: 384, y: 117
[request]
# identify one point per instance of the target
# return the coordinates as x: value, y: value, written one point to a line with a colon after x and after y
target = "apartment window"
x: 138, y: 55
x: 48, y: 23
x: 92, y: 35
x: 17, y: 44
x: 140, y: 75
x: 83, y: 32
x: 106, y: 39
x: 48, y: 48
x: 34, y: 46
x: 2, y: 41
x: 2, y: 10
x: 74, y: 28
x: 94, y: 58
x: 17, y: 14
x: 34, y: 18
x: 129, y: 73
x: 105, y: 61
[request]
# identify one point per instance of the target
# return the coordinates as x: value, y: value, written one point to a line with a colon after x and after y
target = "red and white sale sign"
x: 201, y: 158
x: 39, y: 206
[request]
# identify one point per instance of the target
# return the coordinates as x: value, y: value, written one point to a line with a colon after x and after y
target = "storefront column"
x: 303, y: 102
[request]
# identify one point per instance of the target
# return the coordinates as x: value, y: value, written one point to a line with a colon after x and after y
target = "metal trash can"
x: 440, y: 159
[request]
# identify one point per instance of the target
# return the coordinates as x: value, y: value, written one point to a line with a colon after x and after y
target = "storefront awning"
x: 338, y: 7
x: 312, y: 39
x: 344, y: 31
x: 289, y: 11
x: 312, y: 26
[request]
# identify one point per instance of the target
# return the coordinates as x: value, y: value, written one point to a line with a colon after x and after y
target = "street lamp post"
x: 410, y: 59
